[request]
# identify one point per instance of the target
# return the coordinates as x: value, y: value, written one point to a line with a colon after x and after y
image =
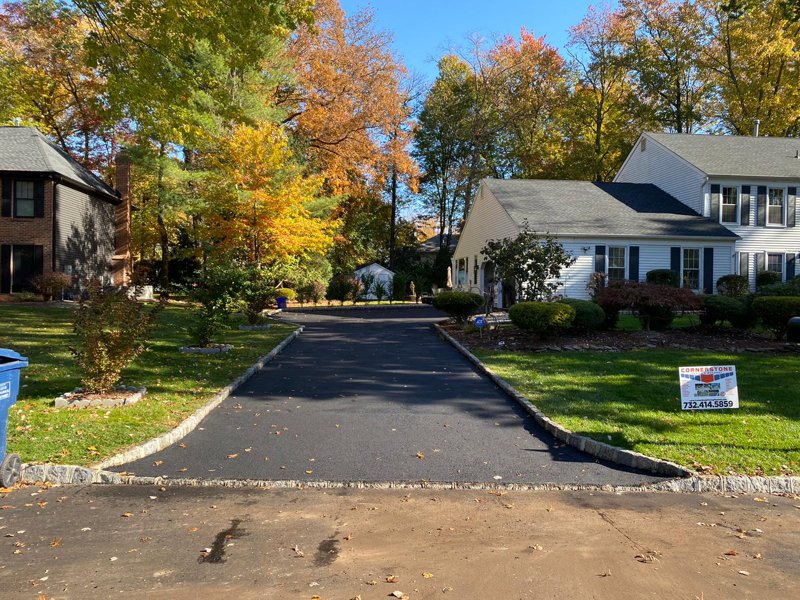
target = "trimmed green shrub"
x: 588, y: 315
x: 717, y: 309
x: 258, y: 293
x: 217, y: 292
x: 663, y: 277
x: 287, y: 293
x: 775, y: 312
x: 790, y: 288
x: 459, y: 305
x: 311, y: 292
x: 765, y: 278
x: 734, y: 286
x: 544, y: 318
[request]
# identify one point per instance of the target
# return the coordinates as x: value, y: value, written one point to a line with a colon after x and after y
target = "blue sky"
x: 424, y: 29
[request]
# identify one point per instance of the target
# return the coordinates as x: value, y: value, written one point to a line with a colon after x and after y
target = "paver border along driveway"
x: 375, y: 396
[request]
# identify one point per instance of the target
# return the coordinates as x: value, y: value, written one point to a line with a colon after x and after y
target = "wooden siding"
x: 84, y: 234
x: 667, y: 170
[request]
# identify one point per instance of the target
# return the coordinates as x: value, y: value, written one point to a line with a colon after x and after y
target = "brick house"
x: 57, y: 216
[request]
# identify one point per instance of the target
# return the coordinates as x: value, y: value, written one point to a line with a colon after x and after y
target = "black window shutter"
x: 38, y: 260
x: 715, y: 202
x: 599, y: 259
x: 760, y: 263
x: 5, y: 268
x: 744, y: 218
x: 708, y: 270
x: 675, y: 260
x: 744, y: 264
x: 38, y: 199
x: 789, y: 266
x: 791, y: 204
x: 6, y: 210
x: 761, y: 206
x: 633, y: 263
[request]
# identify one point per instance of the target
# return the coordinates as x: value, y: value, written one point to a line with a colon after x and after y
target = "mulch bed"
x: 693, y: 338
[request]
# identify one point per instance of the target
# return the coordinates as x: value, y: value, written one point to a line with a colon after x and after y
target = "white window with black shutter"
x: 729, y: 212
x: 775, y: 262
x: 616, y: 263
x: 690, y: 268
x: 776, y: 206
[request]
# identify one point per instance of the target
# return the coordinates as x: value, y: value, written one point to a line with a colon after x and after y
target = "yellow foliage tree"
x: 261, y: 205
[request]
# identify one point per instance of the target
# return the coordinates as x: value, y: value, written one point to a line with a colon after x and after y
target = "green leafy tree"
x: 531, y: 261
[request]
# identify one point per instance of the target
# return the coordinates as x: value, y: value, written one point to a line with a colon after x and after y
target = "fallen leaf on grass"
x: 56, y: 542
x: 757, y: 499
x: 731, y: 552
x: 508, y: 505
x: 745, y: 573
x: 299, y: 553
x: 348, y: 537
x: 399, y: 594
x: 391, y: 579
x: 427, y: 575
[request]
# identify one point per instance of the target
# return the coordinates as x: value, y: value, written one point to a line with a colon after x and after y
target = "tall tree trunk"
x: 393, y: 222
x: 162, y: 228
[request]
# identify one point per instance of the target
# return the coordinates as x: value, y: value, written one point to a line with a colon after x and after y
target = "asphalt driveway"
x: 375, y: 395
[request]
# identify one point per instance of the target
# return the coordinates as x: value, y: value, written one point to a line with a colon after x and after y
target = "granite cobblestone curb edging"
x: 600, y: 450
x: 745, y: 485
x: 67, y: 474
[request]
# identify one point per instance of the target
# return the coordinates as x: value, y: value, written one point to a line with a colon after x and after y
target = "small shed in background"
x: 372, y: 273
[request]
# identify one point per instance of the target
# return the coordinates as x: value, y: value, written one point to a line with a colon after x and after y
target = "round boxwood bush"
x: 717, y: 309
x: 544, y: 318
x: 588, y: 315
x: 767, y: 278
x: 733, y: 285
x: 775, y: 312
x: 459, y: 305
x: 287, y: 293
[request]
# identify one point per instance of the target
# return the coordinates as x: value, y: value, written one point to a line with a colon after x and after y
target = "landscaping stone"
x: 74, y: 398
x: 218, y: 349
x: 262, y: 327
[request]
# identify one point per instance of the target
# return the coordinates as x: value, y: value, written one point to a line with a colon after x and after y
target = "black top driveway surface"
x: 375, y: 395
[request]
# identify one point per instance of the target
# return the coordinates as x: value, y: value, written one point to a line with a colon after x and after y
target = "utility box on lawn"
x: 793, y: 330
x: 11, y: 363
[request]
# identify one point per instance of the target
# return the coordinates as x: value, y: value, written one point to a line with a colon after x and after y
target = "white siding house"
x: 747, y: 184
x: 380, y: 273
x: 622, y: 230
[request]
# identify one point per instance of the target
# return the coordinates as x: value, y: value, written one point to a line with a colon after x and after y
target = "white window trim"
x: 738, y: 189
x: 700, y: 281
x: 783, y: 208
x: 626, y: 266
x: 782, y: 254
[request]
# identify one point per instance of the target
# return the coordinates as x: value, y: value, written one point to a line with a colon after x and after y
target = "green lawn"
x: 631, y: 400
x: 177, y: 384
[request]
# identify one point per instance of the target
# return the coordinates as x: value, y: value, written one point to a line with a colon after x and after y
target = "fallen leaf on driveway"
x: 233, y: 455
x: 299, y: 553
x: 731, y: 552
x: 309, y: 471
x: 181, y: 445
x: 56, y: 542
x: 126, y: 514
x: 399, y: 594
x: 744, y: 573
x: 509, y: 505
x: 497, y: 477
x: 427, y: 575
x: 158, y: 463
x: 391, y: 579
x: 420, y: 455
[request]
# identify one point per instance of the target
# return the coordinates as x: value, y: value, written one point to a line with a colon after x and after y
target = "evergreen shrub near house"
x: 588, y: 315
x: 380, y: 289
x: 765, y: 278
x: 367, y: 284
x: 734, y: 286
x: 544, y: 318
x: 111, y: 330
x: 663, y: 277
x: 459, y: 305
x: 257, y: 294
x: 343, y: 287
x: 654, y: 304
x: 217, y: 293
x: 718, y: 309
x: 775, y: 312
x: 790, y: 288
x: 399, y: 286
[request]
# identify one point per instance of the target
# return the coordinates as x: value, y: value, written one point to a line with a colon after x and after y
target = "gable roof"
x: 377, y: 264
x: 432, y: 244
x: 26, y: 150
x: 585, y: 208
x: 735, y: 155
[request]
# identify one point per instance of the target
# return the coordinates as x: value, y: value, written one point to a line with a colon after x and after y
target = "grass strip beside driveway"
x: 631, y: 400
x: 177, y: 384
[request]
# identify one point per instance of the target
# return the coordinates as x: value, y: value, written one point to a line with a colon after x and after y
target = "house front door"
x: 19, y: 264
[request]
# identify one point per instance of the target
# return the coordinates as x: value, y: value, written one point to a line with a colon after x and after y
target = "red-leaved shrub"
x: 654, y: 304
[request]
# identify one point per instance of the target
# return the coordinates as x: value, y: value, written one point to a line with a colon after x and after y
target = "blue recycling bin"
x: 282, y: 300
x: 10, y: 365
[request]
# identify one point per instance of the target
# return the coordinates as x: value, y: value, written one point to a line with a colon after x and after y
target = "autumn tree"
x: 755, y: 64
x: 47, y: 81
x: 604, y: 115
x: 664, y: 55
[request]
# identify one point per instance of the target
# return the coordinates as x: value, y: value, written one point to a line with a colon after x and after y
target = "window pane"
x: 24, y: 189
x: 775, y: 206
x: 730, y: 200
x: 23, y: 208
x: 775, y: 263
x: 616, y: 263
x: 691, y: 268
x: 23, y: 199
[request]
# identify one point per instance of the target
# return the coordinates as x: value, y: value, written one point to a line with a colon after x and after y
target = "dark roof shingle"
x: 26, y: 150
x: 736, y: 155
x: 600, y: 209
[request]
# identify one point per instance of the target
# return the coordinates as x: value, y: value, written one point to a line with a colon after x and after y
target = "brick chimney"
x: 122, y: 264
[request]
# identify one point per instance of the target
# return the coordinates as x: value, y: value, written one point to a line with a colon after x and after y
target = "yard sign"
x: 704, y: 388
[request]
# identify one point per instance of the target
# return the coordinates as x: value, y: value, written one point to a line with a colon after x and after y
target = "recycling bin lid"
x: 11, y: 360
